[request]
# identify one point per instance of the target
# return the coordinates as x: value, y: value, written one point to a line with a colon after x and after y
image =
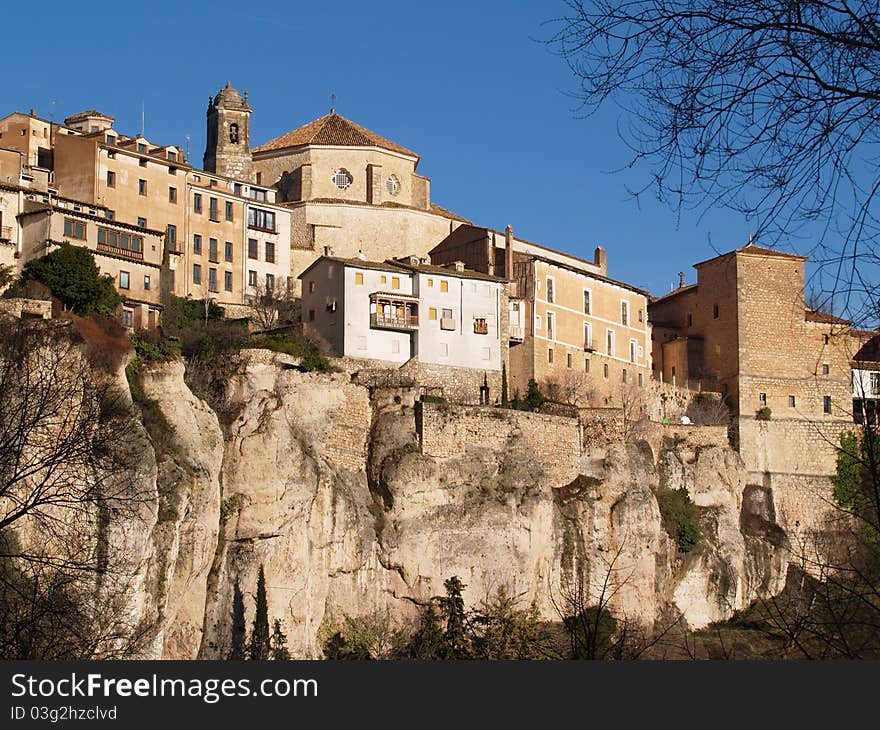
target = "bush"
x: 680, y: 517
x: 533, y: 400
x: 149, y: 347
x: 705, y: 410
x: 297, y: 345
x: 105, y: 340
x: 432, y: 399
x: 181, y: 313
x: 763, y: 414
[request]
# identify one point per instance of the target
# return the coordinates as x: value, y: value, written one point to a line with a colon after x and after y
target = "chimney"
x: 680, y: 279
x: 490, y: 253
x: 508, y: 252
x: 600, y: 258
x: 458, y: 265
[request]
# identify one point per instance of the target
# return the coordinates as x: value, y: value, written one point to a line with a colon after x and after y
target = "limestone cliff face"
x: 355, y: 504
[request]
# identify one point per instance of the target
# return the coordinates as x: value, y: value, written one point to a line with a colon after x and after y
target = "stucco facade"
x: 397, y: 311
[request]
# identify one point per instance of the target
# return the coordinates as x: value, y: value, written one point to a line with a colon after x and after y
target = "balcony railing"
x: 588, y: 346
x: 406, y: 322
x: 6, y: 233
x: 116, y: 251
x: 516, y: 332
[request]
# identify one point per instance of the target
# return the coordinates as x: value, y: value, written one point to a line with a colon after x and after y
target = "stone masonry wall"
x: 555, y: 442
x: 790, y: 446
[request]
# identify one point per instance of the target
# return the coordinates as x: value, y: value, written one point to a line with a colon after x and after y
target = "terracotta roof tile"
x: 825, y: 318
x: 332, y: 129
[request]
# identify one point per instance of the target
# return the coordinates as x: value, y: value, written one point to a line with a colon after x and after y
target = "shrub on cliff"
x: 680, y: 517
x: 297, y: 345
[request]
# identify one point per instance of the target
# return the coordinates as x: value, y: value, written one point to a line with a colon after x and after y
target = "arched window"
x: 393, y: 185
x: 233, y: 133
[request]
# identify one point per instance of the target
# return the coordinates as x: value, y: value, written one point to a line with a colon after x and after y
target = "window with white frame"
x: 624, y: 313
x: 633, y: 351
x: 609, y: 342
x: 551, y: 325
x: 588, y: 295
x: 588, y: 336
x: 550, y: 290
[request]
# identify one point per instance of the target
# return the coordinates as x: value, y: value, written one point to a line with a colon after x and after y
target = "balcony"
x: 588, y: 346
x: 516, y: 333
x: 481, y: 327
x: 393, y: 312
x: 5, y: 233
x: 123, y: 252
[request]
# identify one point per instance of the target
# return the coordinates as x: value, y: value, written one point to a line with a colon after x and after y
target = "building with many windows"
x: 570, y: 325
x: 446, y: 322
x: 784, y: 371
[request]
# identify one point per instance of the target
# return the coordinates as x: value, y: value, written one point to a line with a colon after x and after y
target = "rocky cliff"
x: 357, y: 500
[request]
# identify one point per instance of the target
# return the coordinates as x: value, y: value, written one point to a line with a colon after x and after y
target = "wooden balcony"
x: 517, y: 333
x: 394, y: 312
x: 123, y: 252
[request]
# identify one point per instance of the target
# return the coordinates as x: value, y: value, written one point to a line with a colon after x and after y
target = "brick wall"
x: 555, y: 442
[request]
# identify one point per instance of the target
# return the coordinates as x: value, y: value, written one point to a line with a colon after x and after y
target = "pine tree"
x: 456, y: 636
x: 504, y: 403
x: 278, y: 643
x: 259, y: 646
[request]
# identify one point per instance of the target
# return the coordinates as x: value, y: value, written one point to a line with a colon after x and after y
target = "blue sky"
x: 464, y: 84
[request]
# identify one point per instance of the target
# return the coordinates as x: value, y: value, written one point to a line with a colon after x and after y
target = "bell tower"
x: 228, y: 149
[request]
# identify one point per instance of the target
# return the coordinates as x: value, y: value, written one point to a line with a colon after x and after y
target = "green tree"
x: 278, y: 643
x: 428, y: 642
x: 534, y: 397
x: 848, y: 490
x: 260, y: 646
x: 456, y: 635
x: 72, y: 276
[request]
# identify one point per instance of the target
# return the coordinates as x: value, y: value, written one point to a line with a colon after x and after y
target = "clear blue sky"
x: 464, y: 84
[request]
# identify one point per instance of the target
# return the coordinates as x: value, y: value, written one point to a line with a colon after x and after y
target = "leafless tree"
x: 706, y: 410
x: 68, y: 451
x: 276, y: 307
x: 571, y: 388
x: 770, y: 109
x: 594, y: 628
x: 632, y: 404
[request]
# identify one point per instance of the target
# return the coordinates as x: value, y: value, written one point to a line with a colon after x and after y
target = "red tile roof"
x: 332, y: 129
x: 825, y: 318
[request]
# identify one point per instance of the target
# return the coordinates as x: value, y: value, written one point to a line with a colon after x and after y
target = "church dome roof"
x: 228, y: 95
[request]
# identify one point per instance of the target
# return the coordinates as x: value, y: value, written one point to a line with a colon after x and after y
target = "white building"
x: 405, y: 309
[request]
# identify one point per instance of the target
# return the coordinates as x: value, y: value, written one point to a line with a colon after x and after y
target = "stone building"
x: 349, y: 189
x: 444, y: 324
x: 570, y: 325
x: 227, y: 149
x: 784, y: 371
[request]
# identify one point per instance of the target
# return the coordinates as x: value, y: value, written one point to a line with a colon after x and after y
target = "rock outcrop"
x: 331, y: 491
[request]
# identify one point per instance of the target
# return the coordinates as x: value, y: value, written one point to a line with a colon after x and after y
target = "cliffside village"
x: 339, y: 218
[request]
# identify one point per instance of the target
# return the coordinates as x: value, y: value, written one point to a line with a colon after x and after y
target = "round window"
x: 342, y: 179
x: 393, y: 185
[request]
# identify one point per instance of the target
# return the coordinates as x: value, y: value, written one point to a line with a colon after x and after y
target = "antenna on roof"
x: 188, y: 138
x: 143, y: 117
x: 333, y: 103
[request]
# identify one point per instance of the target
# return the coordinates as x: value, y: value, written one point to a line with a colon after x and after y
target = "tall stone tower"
x: 228, y: 149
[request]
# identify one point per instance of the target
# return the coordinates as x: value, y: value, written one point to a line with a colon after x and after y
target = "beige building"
x: 130, y: 255
x: 743, y: 329
x: 570, y: 325
x: 225, y: 238
x: 350, y: 191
